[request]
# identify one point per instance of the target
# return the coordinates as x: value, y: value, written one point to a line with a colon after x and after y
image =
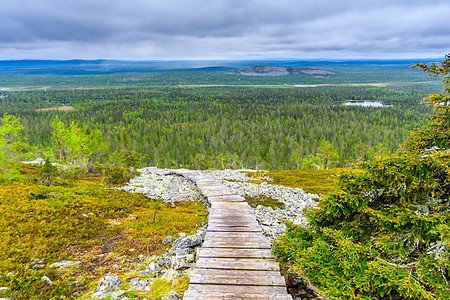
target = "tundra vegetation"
x: 383, y: 233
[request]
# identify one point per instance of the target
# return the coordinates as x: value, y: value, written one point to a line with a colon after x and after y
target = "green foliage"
x: 228, y: 126
x: 310, y: 180
x: 74, y: 144
x: 327, y: 154
x: 47, y: 172
x: 119, y: 175
x: 265, y: 201
x: 46, y: 224
x: 128, y: 157
x: 383, y: 233
x: 10, y: 146
x: 25, y: 283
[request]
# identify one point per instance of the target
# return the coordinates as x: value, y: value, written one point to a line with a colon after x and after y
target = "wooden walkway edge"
x: 235, y: 261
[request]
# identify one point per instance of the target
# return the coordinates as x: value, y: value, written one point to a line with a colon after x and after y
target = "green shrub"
x: 383, y: 233
x: 119, y: 175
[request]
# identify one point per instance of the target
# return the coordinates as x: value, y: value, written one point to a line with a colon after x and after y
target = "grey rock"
x: 108, y: 284
x: 46, y: 280
x: 99, y: 295
x: 117, y: 294
x: 182, y: 251
x: 161, y: 261
x: 138, y: 284
x: 167, y: 240
x: 37, y: 266
x: 64, y: 264
x: 170, y: 275
x: 154, y: 267
x: 171, y: 297
x: 168, y: 188
x: 183, y: 262
x: 146, y: 272
x: 187, y: 242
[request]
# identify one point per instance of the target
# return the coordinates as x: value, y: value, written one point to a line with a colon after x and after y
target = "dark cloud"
x: 147, y: 29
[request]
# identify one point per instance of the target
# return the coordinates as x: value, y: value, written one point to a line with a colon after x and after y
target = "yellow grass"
x: 61, y: 108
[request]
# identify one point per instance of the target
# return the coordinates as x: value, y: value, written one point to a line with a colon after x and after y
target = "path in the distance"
x: 235, y: 261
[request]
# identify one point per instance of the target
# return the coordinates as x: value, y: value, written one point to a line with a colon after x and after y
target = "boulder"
x: 64, y: 264
x: 108, y: 284
x: 139, y: 284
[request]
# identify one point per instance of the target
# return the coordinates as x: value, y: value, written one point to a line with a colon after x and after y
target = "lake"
x: 366, y: 103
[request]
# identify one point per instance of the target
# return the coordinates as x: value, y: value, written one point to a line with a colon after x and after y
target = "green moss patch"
x: 85, y: 222
x: 310, y: 180
x: 265, y: 201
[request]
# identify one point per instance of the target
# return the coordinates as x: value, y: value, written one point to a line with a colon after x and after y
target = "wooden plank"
x: 232, y: 209
x: 234, y: 235
x: 251, y: 278
x: 211, y: 191
x: 228, y: 203
x: 236, y: 243
x: 242, y: 227
x: 235, y: 253
x: 232, y: 229
x: 210, y: 291
x: 231, y: 296
x: 230, y: 213
x: 232, y: 223
x: 235, y: 261
x: 238, y: 206
x: 237, y: 264
x: 227, y: 198
x: 229, y: 219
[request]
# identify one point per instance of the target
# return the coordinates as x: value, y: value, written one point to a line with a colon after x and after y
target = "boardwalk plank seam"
x: 236, y: 262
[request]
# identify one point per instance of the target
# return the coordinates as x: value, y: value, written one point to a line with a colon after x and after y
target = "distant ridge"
x: 281, y: 71
x: 270, y: 67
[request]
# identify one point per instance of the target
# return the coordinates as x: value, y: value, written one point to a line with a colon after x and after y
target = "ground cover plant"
x: 384, y: 232
x: 85, y: 222
x: 310, y: 180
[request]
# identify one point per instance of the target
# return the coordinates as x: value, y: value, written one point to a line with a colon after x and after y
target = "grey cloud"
x: 225, y: 28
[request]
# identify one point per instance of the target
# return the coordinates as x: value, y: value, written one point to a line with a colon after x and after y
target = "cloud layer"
x: 223, y: 29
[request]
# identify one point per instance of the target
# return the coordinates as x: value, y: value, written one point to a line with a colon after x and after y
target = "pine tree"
x: 384, y: 233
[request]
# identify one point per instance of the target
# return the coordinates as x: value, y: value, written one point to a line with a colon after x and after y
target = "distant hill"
x: 245, y: 67
x: 281, y: 71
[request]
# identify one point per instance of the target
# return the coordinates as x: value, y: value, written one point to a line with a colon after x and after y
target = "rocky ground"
x: 272, y: 220
x: 180, y: 260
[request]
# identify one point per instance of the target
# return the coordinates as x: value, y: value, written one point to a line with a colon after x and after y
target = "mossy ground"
x: 83, y: 221
x: 264, y: 201
x: 310, y: 180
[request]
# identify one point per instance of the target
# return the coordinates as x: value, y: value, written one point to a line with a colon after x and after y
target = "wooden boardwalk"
x: 235, y: 261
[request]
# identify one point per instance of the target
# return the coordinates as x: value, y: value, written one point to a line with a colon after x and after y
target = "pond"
x: 366, y: 103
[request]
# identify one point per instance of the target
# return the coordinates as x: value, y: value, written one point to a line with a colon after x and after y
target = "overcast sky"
x: 223, y: 29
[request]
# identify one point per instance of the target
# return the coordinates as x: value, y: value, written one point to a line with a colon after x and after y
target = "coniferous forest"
x: 191, y: 120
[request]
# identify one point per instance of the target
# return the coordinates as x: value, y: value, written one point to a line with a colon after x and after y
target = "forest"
x: 224, y: 120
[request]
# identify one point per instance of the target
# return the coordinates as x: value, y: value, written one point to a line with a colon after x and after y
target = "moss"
x: 85, y: 222
x: 265, y: 201
x: 310, y: 180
